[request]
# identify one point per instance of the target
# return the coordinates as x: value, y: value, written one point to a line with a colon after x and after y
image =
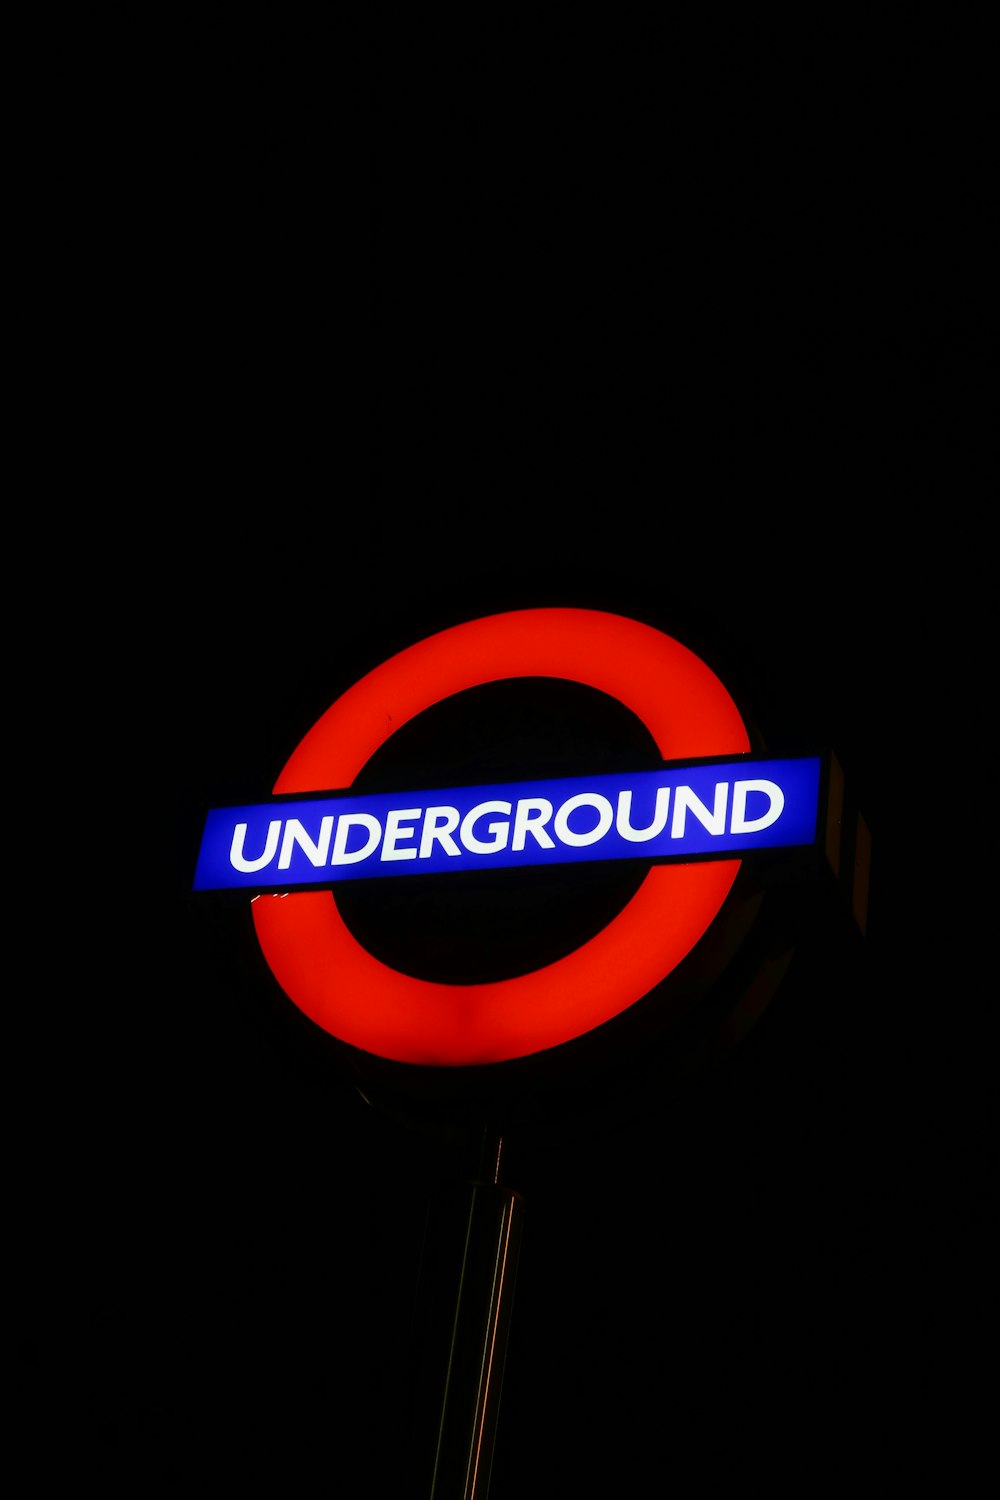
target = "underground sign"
x: 692, y: 818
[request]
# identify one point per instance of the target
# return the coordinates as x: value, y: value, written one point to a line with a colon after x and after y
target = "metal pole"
x: 465, y: 1300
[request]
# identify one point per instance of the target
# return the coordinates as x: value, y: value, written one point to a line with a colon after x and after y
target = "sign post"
x: 462, y: 1319
x: 685, y: 822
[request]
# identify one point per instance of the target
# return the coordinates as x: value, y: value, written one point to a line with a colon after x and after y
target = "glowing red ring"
x: 339, y: 985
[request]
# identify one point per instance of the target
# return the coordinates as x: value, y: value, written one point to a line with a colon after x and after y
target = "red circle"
x: 356, y: 998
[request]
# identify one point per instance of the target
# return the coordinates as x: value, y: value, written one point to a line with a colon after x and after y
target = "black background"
x: 711, y: 355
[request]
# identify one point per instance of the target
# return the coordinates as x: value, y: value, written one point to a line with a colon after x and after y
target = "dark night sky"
x: 369, y: 390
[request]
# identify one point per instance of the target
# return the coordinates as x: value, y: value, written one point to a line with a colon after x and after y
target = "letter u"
x: 248, y: 866
x: 623, y: 821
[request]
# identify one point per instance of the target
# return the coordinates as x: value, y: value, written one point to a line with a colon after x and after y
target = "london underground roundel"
x: 353, y: 996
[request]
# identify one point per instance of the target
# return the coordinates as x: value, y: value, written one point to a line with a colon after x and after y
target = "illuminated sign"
x: 691, y: 818
x: 674, y: 813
